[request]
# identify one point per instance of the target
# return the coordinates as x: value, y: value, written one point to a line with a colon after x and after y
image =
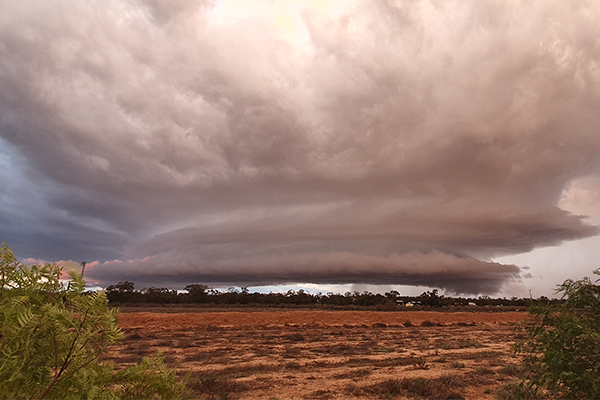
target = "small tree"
x: 563, y: 341
x: 122, y: 287
x: 431, y: 299
x: 52, y: 335
x: 198, y: 292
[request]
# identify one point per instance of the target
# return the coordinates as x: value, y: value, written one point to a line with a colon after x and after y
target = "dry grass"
x: 445, y: 387
x: 350, y: 360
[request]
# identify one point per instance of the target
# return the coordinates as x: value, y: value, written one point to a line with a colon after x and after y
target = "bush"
x: 52, y: 335
x: 562, y: 346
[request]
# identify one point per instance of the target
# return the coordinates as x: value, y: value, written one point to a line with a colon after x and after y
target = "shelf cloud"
x: 253, y: 143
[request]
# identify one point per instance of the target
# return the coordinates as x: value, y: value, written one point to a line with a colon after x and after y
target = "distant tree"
x: 123, y: 287
x: 431, y: 299
x: 159, y: 295
x: 198, y: 293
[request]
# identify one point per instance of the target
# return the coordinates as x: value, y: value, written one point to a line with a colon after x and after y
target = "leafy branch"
x: 53, y: 334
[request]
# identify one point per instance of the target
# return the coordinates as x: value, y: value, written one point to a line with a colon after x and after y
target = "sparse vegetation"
x: 296, y: 337
x: 484, y: 371
x: 344, y: 356
x: 465, y: 344
x: 420, y: 363
x: 511, y: 370
x: 215, y: 385
x: 444, y: 387
x: 517, y: 390
x: 125, y: 293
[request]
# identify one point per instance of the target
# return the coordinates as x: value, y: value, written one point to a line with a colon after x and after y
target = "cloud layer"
x: 402, y: 142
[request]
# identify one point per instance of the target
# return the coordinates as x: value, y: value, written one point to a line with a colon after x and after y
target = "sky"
x: 343, y: 143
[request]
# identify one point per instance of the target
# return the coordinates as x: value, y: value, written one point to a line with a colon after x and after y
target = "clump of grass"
x: 215, y: 385
x: 445, y: 345
x: 396, y: 361
x: 247, y: 370
x: 458, y: 365
x: 296, y: 337
x: 452, y: 380
x: 517, y: 390
x: 322, y: 394
x: 352, y: 389
x: 291, y: 353
x: 336, y: 349
x: 484, y: 371
x: 390, y: 387
x: 184, y: 343
x: 134, y: 336
x: 420, y: 363
x: 292, y: 365
x: 444, y: 387
x: 481, y: 355
x: 510, y: 369
x: 427, y: 323
x: 356, y: 373
x: 465, y: 344
x: 408, y: 324
x: 195, y: 356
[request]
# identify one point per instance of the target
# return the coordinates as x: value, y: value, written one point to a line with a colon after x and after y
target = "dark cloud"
x: 455, y: 274
x: 367, y: 142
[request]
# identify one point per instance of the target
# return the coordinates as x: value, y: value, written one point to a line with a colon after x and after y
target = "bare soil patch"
x: 328, y: 354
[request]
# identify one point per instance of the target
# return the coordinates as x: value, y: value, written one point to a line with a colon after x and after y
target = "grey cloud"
x: 380, y: 130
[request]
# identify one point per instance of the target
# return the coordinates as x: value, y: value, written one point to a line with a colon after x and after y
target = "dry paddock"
x: 328, y: 354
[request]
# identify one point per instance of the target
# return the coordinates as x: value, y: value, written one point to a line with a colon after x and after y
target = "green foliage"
x: 52, y: 336
x: 562, y: 347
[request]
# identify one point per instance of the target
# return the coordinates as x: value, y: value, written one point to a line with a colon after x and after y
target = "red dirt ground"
x: 284, y: 355
x: 325, y: 318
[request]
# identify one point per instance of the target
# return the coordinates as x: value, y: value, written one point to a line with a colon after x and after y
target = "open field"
x: 328, y: 355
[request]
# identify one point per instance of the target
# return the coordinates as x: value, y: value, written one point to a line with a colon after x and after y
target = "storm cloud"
x: 252, y: 143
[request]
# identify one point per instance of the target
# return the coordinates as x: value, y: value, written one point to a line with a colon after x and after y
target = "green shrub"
x: 52, y: 335
x: 562, y: 346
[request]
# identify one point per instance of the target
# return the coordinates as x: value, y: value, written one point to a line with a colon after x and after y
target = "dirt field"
x: 329, y: 355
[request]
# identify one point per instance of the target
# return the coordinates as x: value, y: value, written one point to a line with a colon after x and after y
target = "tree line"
x: 125, y: 293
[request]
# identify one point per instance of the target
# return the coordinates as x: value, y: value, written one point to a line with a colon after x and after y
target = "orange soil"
x: 324, y: 318
x: 333, y: 355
